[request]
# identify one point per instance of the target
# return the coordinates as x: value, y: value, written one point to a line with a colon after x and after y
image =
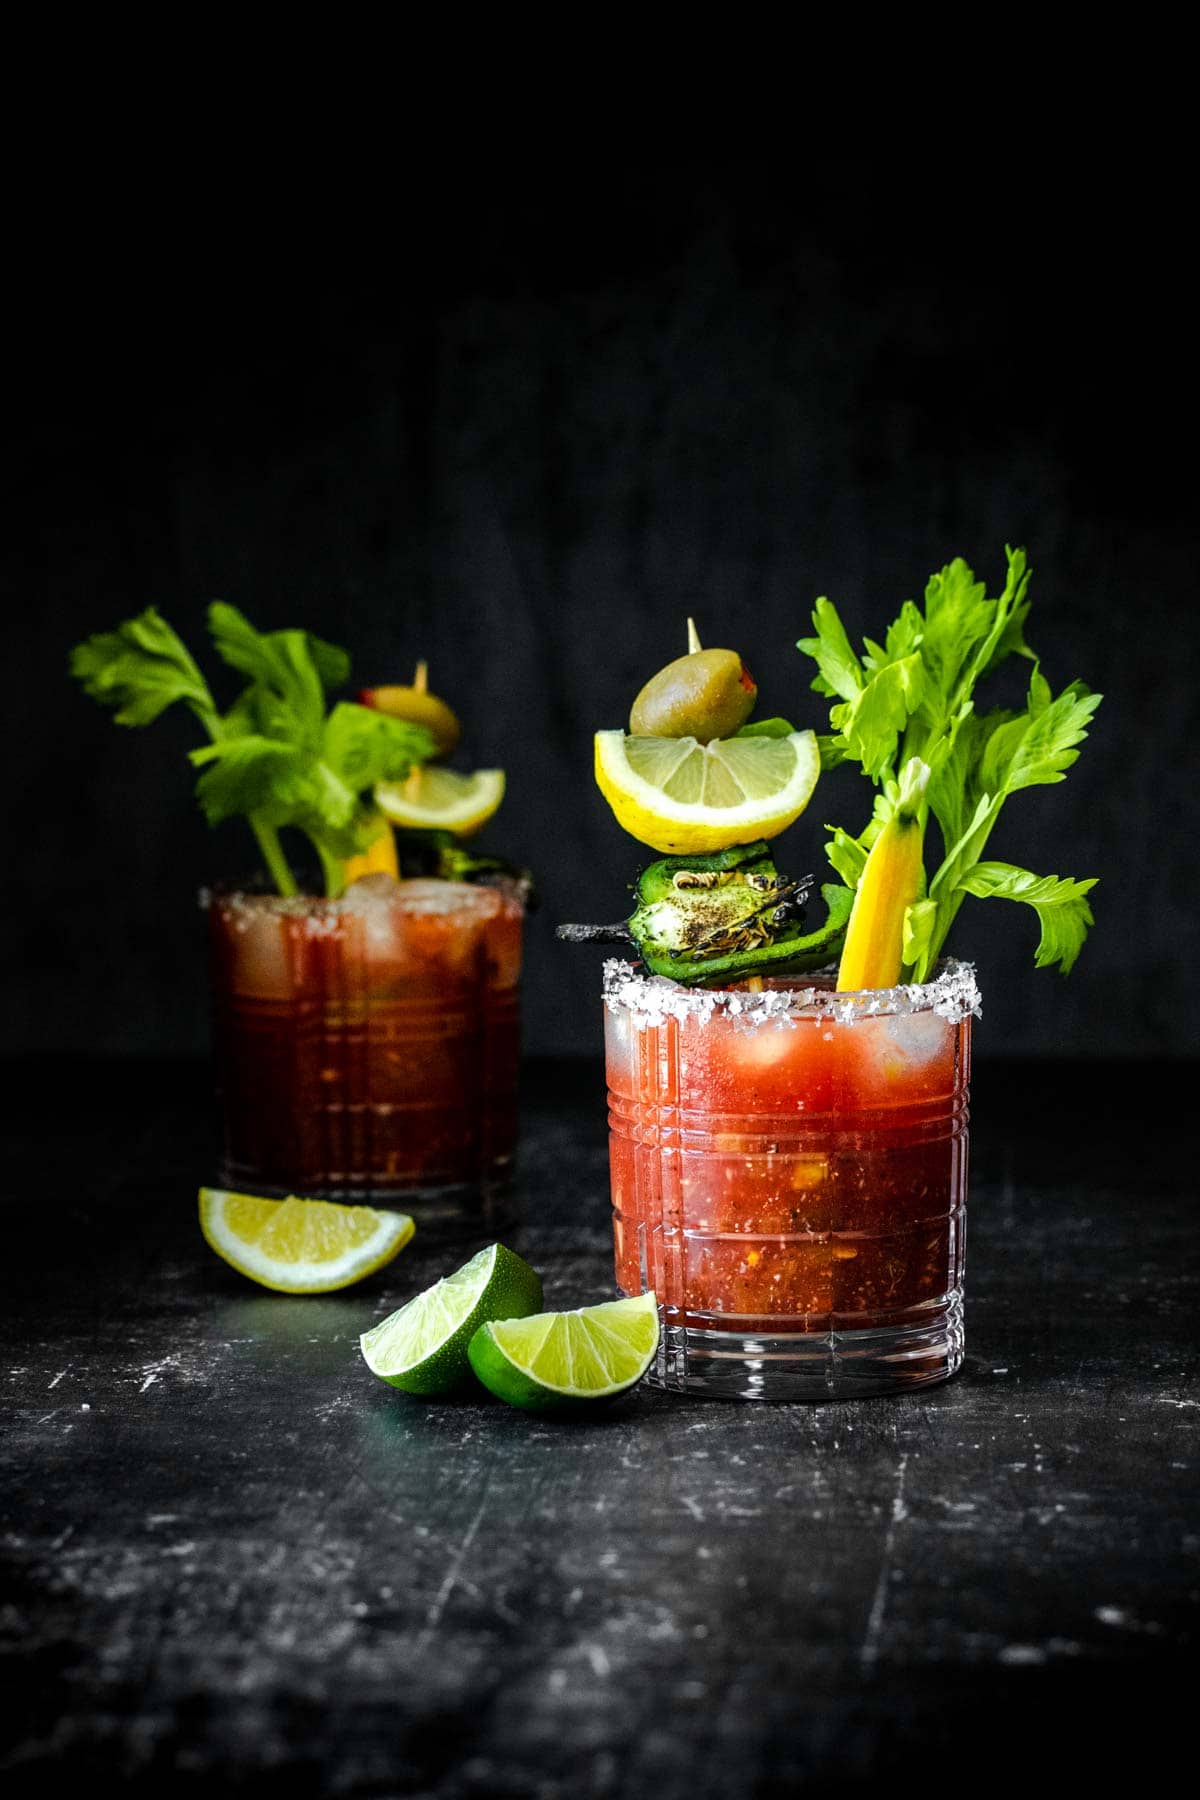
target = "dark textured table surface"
x: 232, y: 1559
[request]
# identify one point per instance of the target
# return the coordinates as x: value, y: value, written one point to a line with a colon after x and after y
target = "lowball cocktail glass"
x: 367, y: 1047
x: 789, y: 1176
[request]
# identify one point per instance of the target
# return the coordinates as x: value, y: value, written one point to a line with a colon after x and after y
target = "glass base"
x: 808, y: 1365
x: 448, y: 1206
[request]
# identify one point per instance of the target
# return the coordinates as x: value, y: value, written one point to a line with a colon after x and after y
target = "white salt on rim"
x: 425, y: 894
x: 953, y: 994
x: 430, y: 897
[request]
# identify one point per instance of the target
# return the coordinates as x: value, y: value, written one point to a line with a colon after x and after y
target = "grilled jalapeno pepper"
x: 728, y: 916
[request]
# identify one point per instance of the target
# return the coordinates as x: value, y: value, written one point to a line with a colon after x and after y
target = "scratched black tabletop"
x: 232, y: 1560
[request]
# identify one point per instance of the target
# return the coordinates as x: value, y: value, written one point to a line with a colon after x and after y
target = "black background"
x: 522, y: 421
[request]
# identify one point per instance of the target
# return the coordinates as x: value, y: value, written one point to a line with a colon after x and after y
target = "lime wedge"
x: 300, y: 1246
x: 559, y: 1359
x: 422, y: 1348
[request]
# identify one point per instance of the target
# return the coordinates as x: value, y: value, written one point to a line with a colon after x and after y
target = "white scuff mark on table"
x: 693, y: 1506
x: 1028, y: 1655
x: 599, y: 1661
x: 1166, y: 1400
x: 153, y: 1371
x: 434, y: 1616
x: 869, y: 1653
x: 58, y: 1377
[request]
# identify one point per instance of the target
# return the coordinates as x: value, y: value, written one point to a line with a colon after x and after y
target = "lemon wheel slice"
x: 300, y: 1246
x: 442, y: 799
x: 683, y: 797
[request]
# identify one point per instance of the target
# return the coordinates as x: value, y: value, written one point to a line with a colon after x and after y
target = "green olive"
x: 709, y: 694
x: 419, y: 707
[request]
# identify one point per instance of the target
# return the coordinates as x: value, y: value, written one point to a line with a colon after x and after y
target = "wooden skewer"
x: 693, y: 638
x: 421, y: 678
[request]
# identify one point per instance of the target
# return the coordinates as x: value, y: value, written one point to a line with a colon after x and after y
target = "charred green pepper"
x: 704, y: 920
x: 724, y: 917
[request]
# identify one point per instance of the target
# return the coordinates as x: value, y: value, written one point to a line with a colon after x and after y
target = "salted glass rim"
x: 952, y: 994
x: 247, y: 897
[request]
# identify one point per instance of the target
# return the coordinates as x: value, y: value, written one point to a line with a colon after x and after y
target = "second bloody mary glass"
x: 367, y: 1047
x: 789, y: 1175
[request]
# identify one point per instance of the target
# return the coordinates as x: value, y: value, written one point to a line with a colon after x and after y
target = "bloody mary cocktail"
x: 366, y: 1037
x: 789, y: 1177
x: 367, y: 1046
x: 789, y: 1160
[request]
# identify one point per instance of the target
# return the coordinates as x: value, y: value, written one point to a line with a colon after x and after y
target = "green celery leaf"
x: 140, y: 669
x: 872, y: 722
x: 769, y: 728
x: 1061, y: 906
x: 847, y: 854
x: 1038, y: 746
x: 839, y: 902
x: 1013, y: 610
x: 954, y: 789
x: 913, y: 697
x: 906, y: 633
x: 244, y: 775
x: 292, y: 667
x: 966, y: 849
x: 840, y: 671
x: 364, y: 746
x: 958, y: 618
x: 332, y: 801
x: 919, y: 921
x: 332, y: 663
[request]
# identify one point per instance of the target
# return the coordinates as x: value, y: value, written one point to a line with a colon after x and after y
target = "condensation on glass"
x: 367, y: 1047
x: 789, y: 1176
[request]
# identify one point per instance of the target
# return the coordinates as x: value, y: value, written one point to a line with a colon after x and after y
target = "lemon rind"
x: 306, y: 1277
x: 636, y: 791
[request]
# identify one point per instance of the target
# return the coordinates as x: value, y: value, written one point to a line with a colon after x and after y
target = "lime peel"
x: 422, y: 1347
x: 556, y: 1360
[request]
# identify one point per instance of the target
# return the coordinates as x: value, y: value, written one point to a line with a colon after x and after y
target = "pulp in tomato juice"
x: 787, y: 1174
x: 367, y: 1044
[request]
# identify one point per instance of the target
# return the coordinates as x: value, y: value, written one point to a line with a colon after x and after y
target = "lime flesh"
x: 553, y: 1360
x: 422, y: 1348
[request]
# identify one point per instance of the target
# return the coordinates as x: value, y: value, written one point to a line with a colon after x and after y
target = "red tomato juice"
x: 787, y: 1174
x: 367, y: 1046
